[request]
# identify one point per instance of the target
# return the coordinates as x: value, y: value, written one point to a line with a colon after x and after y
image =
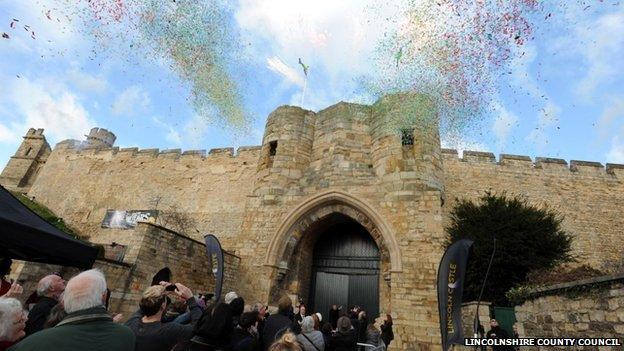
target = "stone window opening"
x: 407, y: 136
x: 28, y: 151
x: 272, y: 147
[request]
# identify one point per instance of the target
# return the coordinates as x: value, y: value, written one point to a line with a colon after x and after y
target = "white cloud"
x: 45, y: 105
x: 131, y: 101
x: 548, y: 116
x: 7, y: 135
x: 275, y: 64
x: 503, y: 123
x: 602, y: 45
x: 616, y: 153
x: 86, y: 82
x: 336, y: 38
x: 612, y: 115
x: 172, y: 135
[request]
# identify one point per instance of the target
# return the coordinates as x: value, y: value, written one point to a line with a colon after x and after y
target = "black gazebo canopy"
x: 26, y: 236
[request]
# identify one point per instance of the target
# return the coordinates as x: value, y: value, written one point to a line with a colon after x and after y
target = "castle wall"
x: 589, y: 196
x: 208, y: 192
x: 595, y: 312
x: 267, y: 203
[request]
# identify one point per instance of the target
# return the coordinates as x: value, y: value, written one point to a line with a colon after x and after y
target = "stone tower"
x: 23, y: 167
x: 100, y: 138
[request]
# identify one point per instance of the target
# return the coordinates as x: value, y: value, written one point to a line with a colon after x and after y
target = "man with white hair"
x: 88, y: 325
x: 49, y: 289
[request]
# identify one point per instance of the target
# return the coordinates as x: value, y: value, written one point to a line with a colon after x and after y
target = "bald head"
x: 86, y: 290
x: 51, y: 286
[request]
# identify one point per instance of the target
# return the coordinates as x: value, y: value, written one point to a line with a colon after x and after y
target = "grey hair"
x: 84, y: 291
x: 229, y: 297
x: 44, y: 285
x: 8, y: 307
x: 307, y: 325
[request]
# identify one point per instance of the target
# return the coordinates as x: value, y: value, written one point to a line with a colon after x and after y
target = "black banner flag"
x: 450, y: 288
x: 215, y: 260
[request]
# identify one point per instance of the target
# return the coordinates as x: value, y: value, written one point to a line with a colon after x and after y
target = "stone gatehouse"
x: 333, y: 207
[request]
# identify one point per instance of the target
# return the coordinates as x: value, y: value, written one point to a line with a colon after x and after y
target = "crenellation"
x: 148, y: 152
x: 590, y: 167
x: 615, y: 169
x: 478, y: 156
x: 131, y: 150
x: 516, y: 160
x: 225, y: 151
x: 201, y: 152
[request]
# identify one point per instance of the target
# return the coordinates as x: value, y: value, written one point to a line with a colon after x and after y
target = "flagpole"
x: 305, y: 84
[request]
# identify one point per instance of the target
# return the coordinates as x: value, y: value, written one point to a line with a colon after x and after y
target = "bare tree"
x: 169, y: 216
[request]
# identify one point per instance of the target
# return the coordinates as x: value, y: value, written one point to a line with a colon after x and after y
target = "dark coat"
x: 499, y: 333
x: 242, y: 340
x: 333, y: 317
x: 342, y: 341
x: 274, y: 326
x: 91, y: 329
x: 387, y: 334
x: 157, y: 336
x: 39, y: 314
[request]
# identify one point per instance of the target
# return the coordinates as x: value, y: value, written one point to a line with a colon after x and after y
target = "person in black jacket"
x: 387, y: 334
x: 334, y: 314
x: 146, y: 324
x: 344, y: 339
x: 213, y: 330
x: 496, y: 332
x: 362, y: 325
x: 278, y: 324
x: 243, y: 338
x: 49, y: 289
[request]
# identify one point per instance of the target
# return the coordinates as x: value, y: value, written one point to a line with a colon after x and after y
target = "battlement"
x: 76, y: 147
x: 34, y: 133
x: 545, y: 163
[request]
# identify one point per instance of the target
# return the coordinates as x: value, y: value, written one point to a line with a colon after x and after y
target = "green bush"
x: 528, y: 238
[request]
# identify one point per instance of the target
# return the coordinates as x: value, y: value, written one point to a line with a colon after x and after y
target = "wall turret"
x: 100, y: 138
x: 23, y: 167
x: 286, y: 151
x: 406, y: 144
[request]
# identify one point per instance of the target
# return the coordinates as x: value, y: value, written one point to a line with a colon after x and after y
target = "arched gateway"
x: 332, y: 247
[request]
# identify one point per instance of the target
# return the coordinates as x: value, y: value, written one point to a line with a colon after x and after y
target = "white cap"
x: 318, y: 314
x: 229, y: 297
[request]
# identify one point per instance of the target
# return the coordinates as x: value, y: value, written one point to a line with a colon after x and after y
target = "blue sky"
x: 564, y: 97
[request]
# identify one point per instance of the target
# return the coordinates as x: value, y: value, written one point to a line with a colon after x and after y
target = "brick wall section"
x: 211, y: 188
x: 596, y: 314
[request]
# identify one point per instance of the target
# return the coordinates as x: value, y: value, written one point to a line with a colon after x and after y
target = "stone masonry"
x: 597, y: 313
x: 267, y: 204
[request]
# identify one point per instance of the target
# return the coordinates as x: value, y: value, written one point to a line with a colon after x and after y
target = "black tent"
x: 26, y: 236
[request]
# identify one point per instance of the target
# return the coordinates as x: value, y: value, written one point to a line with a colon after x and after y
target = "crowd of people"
x: 73, y: 315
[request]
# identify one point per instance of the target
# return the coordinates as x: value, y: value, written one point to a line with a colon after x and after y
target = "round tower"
x: 406, y: 144
x: 100, y: 138
x: 286, y: 150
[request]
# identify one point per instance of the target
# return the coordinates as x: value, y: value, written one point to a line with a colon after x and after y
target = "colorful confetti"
x: 453, y: 51
x: 194, y: 38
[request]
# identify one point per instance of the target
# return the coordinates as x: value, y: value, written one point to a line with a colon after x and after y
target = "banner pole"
x: 487, y: 272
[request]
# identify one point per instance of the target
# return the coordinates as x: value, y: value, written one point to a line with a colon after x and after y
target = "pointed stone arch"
x: 319, y: 206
